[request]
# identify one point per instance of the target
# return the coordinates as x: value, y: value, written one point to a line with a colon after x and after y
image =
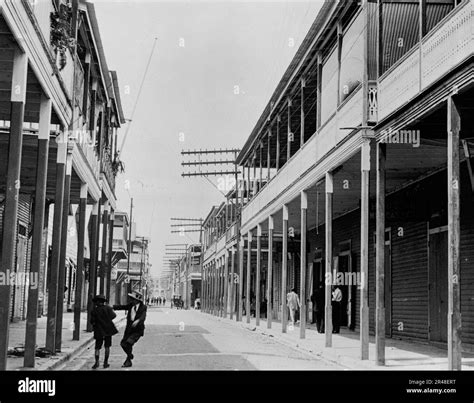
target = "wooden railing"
x: 445, y: 47
x: 106, y: 168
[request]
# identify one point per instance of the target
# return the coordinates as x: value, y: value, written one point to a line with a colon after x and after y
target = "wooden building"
x: 360, y: 167
x: 59, y: 115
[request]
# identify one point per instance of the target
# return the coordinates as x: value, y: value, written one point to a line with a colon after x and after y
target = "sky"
x: 213, y: 69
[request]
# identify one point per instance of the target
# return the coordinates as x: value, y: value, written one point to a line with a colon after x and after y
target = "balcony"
x: 449, y: 44
x: 313, y: 152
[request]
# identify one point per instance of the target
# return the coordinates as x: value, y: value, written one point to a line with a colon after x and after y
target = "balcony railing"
x: 445, y: 47
x: 106, y: 168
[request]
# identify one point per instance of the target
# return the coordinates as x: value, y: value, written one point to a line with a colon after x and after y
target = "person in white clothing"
x: 293, y: 303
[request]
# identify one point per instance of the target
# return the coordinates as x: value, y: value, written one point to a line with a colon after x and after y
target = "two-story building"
x: 359, y: 174
x: 58, y: 146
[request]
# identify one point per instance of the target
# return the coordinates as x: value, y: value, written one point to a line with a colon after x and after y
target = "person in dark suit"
x: 102, y: 316
x: 135, y: 328
x: 318, y: 299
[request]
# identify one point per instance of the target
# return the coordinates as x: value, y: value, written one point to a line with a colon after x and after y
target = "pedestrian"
x: 318, y: 307
x: 336, y: 308
x: 164, y: 301
x: 102, y: 316
x: 136, y: 315
x: 293, y: 303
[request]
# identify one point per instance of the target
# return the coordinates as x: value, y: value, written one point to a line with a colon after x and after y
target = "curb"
x: 75, y: 352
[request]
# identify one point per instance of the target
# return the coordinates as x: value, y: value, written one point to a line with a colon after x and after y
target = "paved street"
x: 190, y: 340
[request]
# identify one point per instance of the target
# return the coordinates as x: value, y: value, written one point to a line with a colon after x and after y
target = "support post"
x: 80, y: 261
x: 38, y: 225
x: 258, y: 274
x: 319, y: 76
x: 328, y: 227
x: 364, y: 250
x: 62, y: 254
x: 241, y: 281
x: 284, y: 260
x: 226, y: 283
x: 109, y: 253
x: 15, y: 141
x: 303, y: 268
x: 270, y: 272
x: 53, y: 286
x: 92, y: 264
x: 302, y: 115
x: 454, y: 238
x: 380, y: 258
x: 232, y: 286
x: 288, y: 151
x: 278, y: 119
x: 249, y: 258
x: 103, y: 259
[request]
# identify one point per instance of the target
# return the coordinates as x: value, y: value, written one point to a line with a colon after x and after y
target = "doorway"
x: 438, y: 284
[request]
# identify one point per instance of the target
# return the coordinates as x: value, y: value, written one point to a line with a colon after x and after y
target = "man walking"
x: 104, y: 328
x: 293, y: 303
x: 318, y: 307
x: 336, y: 308
x: 135, y: 328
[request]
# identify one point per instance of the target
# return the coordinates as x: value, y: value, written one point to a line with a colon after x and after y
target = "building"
x: 58, y: 132
x: 359, y: 173
x: 133, y: 272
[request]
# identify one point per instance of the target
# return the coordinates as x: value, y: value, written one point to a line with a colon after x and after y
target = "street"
x: 191, y: 340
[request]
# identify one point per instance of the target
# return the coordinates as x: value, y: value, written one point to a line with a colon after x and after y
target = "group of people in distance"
x: 157, y: 301
x: 102, y: 317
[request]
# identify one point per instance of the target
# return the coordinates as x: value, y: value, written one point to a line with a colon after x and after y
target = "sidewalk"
x: 399, y: 355
x: 69, y: 347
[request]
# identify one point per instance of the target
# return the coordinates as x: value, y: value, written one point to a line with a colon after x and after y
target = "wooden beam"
x: 284, y: 260
x: 232, y: 283
x: 247, y: 293
x: 93, y: 263
x: 62, y: 254
x: 328, y: 246
x: 319, y: 89
x: 380, y: 48
x: 288, y: 142
x: 270, y: 273
x: 241, y: 277
x: 278, y: 143
x: 38, y: 225
x: 226, y: 283
x: 10, y: 213
x: 303, y: 268
x: 302, y: 115
x: 80, y: 262
x: 380, y: 257
x: 454, y: 238
x: 258, y: 274
x: 364, y: 249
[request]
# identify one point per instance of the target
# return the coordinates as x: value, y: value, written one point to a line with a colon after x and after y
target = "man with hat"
x: 135, y: 328
x: 104, y: 328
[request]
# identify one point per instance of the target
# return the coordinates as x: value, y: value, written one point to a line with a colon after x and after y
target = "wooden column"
x: 328, y: 227
x: 38, y: 225
x: 226, y: 283
x: 269, y: 157
x: 10, y: 214
x: 255, y: 182
x: 270, y: 272
x: 303, y: 268
x: 288, y: 141
x: 247, y: 292
x: 339, y: 60
x: 302, y: 116
x: 240, y: 286
x: 92, y: 263
x: 380, y: 258
x: 278, y: 143
x: 454, y: 238
x: 56, y: 245
x: 258, y: 274
x: 232, y: 283
x: 80, y: 261
x: 319, y: 89
x: 62, y: 254
x: 109, y: 253
x: 103, y: 258
x: 284, y: 261
x: 364, y: 250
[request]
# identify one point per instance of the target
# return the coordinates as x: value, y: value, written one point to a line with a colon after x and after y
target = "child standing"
x: 104, y: 328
